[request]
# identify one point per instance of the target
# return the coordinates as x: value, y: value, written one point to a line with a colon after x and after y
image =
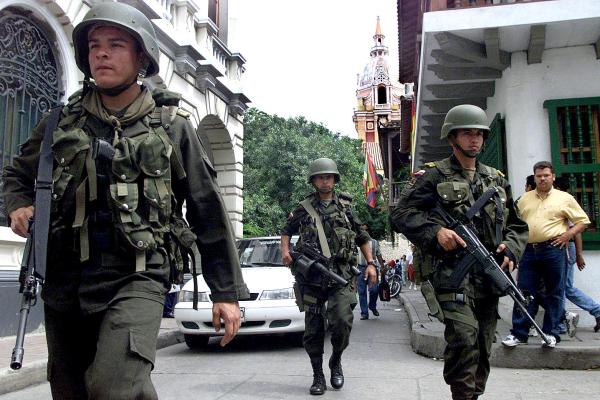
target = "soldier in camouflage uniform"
x: 470, y: 310
x: 343, y: 233
x: 116, y: 225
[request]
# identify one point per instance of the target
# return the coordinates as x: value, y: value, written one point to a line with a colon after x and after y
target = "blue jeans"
x: 548, y: 263
x: 575, y: 295
x: 363, y: 288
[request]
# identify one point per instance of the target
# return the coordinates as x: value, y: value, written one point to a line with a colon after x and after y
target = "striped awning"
x: 375, y: 151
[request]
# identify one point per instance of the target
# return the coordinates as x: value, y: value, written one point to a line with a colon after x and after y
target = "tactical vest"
x: 455, y: 193
x: 339, y: 233
x: 140, y: 165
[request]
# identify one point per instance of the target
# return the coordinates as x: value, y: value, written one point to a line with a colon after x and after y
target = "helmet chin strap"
x: 114, y: 91
x: 117, y: 90
x: 464, y: 152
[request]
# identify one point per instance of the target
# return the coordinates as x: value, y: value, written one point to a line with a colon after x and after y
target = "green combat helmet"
x: 123, y: 16
x: 465, y: 116
x: 323, y: 166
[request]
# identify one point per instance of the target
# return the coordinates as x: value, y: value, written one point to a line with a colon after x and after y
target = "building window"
x: 213, y: 11
x: 382, y: 95
x: 575, y: 141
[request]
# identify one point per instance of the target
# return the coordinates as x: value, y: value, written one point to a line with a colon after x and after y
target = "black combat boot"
x: 318, y: 386
x: 337, y: 375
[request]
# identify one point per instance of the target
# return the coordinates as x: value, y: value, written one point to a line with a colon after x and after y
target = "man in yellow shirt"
x: 547, y: 212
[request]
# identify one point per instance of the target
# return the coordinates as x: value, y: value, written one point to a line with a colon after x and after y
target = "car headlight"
x: 278, y: 294
x: 188, y: 296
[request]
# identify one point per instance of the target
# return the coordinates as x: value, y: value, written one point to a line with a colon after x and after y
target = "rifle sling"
x: 474, y: 209
x: 321, y: 232
x: 43, y: 192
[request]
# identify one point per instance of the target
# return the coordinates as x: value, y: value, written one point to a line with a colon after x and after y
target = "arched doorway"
x: 29, y: 79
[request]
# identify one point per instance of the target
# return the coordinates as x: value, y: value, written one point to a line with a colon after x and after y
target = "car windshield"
x: 259, y: 253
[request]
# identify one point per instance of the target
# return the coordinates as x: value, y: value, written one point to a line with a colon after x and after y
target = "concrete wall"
x: 519, y: 97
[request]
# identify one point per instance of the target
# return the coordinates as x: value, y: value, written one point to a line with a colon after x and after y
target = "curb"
x: 427, y: 339
x: 34, y: 373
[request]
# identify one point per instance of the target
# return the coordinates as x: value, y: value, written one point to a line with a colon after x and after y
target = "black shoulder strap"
x: 43, y: 191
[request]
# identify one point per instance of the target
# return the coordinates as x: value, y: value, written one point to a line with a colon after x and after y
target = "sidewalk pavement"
x: 579, y: 352
x: 35, y: 358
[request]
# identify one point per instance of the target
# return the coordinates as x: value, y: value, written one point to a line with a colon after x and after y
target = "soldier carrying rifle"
x: 123, y: 160
x: 325, y: 221
x: 460, y: 186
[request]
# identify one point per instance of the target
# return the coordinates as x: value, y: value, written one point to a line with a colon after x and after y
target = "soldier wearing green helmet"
x: 117, y: 229
x: 325, y: 220
x: 469, y: 310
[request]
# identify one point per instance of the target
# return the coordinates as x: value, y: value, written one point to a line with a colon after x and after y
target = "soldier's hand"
x: 449, y: 240
x: 507, y: 262
x: 370, y: 275
x: 230, y: 314
x: 287, y: 259
x: 19, y: 220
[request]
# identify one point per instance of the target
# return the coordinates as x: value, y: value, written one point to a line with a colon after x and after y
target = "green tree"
x: 277, y: 154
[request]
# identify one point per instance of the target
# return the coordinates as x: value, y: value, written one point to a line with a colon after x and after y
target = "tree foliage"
x: 277, y: 154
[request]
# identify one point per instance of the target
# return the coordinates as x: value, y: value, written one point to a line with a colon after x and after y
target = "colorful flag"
x: 370, y: 181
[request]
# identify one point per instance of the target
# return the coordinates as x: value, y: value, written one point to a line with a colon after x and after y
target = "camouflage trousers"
x: 105, y: 355
x: 334, y: 303
x: 469, y: 334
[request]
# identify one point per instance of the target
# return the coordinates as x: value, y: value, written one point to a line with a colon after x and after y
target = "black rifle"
x: 478, y: 256
x: 30, y: 282
x: 308, y: 258
x: 33, y: 266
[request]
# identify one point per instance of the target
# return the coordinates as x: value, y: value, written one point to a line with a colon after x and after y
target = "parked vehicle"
x: 270, y: 310
x: 394, y: 279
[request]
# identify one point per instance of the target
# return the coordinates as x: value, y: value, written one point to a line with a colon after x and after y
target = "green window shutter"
x: 494, y: 153
x: 575, y: 145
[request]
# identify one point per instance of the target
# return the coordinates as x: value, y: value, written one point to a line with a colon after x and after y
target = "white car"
x: 271, y: 308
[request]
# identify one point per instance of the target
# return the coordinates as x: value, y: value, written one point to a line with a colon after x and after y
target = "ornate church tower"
x: 378, y: 100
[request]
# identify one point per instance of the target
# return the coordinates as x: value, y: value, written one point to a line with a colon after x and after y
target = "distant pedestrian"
x: 367, y: 295
x: 404, y: 266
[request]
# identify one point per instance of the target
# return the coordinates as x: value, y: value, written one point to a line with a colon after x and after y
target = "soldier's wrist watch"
x: 371, y: 263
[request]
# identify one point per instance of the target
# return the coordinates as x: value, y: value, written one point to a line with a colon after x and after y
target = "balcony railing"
x: 395, y: 190
x: 437, y: 5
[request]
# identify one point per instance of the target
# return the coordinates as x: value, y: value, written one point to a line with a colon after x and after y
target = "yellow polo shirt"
x: 548, y: 218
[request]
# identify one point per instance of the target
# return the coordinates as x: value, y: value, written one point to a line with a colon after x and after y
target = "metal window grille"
x: 29, y: 83
x: 575, y: 141
x: 494, y: 152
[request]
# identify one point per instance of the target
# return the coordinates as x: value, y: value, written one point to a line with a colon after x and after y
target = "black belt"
x: 541, y: 244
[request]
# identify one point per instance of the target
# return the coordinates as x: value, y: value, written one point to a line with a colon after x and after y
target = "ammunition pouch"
x: 435, y: 310
x: 423, y: 265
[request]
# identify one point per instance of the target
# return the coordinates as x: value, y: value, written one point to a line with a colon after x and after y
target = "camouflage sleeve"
x: 292, y: 225
x: 516, y: 233
x: 362, y: 236
x: 19, y: 177
x: 412, y: 216
x: 207, y: 215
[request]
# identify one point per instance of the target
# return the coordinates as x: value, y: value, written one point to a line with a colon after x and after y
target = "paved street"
x: 379, y: 364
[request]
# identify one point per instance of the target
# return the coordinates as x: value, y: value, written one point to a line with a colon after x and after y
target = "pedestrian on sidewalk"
x: 404, y: 265
x: 368, y: 294
x: 119, y: 172
x: 548, y: 212
x: 573, y: 294
x: 469, y: 310
x: 325, y: 220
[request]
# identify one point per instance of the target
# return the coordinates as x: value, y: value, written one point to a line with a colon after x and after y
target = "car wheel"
x: 196, y: 341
